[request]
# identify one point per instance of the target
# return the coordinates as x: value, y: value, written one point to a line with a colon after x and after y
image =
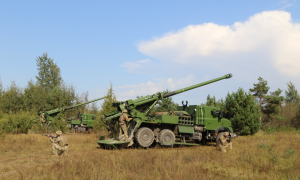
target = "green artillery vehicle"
x: 193, y: 123
x: 83, y: 122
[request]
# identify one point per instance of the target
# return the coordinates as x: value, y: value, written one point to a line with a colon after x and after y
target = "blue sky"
x: 147, y: 46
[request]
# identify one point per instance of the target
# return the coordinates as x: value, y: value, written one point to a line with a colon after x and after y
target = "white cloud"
x: 286, y: 4
x: 265, y: 44
x: 152, y: 87
x: 269, y: 37
x: 134, y: 67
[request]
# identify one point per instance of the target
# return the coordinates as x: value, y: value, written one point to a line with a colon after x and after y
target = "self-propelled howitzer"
x: 138, y: 110
x: 48, y: 116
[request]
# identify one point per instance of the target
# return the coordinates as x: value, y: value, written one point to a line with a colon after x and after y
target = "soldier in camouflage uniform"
x: 60, y: 143
x: 122, y: 122
x: 223, y: 142
x: 111, y: 127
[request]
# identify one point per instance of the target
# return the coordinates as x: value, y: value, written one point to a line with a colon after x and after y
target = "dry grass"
x: 263, y: 156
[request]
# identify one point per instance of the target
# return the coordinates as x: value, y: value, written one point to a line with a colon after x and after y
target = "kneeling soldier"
x: 223, y: 142
x: 60, y: 143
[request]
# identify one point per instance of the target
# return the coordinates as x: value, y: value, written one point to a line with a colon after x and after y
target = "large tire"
x: 144, y: 137
x: 166, y: 136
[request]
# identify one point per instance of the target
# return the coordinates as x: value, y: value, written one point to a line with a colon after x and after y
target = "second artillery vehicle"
x: 197, y: 123
x: 82, y: 122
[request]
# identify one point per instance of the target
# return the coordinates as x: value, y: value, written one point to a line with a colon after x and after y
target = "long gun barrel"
x: 150, y: 99
x: 196, y: 85
x: 58, y: 110
x: 85, y: 103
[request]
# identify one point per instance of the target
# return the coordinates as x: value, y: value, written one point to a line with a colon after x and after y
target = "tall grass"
x: 262, y: 156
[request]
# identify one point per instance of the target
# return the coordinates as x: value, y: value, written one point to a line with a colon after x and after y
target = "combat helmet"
x: 124, y: 111
x: 58, y: 132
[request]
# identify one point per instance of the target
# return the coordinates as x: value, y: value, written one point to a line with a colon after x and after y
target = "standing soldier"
x: 111, y: 127
x: 60, y: 143
x: 223, y: 142
x: 122, y: 122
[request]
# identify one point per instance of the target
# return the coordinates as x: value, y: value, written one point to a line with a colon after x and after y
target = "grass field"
x: 262, y: 156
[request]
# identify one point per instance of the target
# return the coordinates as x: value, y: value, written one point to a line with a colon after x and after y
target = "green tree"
x: 94, y: 108
x: 291, y: 95
x: 12, y: 99
x: 61, y: 96
x: 243, y: 112
x: 106, y: 108
x: 35, y: 97
x: 211, y: 101
x: 48, y: 72
x: 273, y: 106
x: 260, y: 90
x: 59, y: 123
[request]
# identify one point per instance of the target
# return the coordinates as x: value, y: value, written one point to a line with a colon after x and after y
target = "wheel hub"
x: 167, y: 139
x: 145, y: 137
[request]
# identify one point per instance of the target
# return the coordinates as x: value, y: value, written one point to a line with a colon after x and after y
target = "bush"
x: 59, y: 123
x: 243, y: 112
x: 245, y: 131
x: 16, y: 123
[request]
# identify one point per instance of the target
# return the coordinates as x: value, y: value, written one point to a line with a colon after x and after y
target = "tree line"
x: 248, y: 111
x: 19, y: 106
x: 260, y: 109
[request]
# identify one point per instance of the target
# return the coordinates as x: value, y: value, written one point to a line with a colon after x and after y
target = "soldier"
x: 43, y: 118
x: 223, y: 142
x: 60, y: 143
x: 123, y: 118
x: 111, y: 128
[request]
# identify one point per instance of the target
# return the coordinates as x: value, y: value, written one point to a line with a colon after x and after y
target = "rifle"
x: 51, y: 136
x: 231, y: 136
